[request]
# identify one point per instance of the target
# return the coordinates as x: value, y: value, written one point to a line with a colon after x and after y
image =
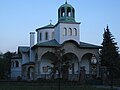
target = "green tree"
x: 61, y: 64
x: 109, y: 54
x: 5, y: 64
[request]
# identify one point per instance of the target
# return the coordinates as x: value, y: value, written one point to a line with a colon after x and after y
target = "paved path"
x: 102, y: 86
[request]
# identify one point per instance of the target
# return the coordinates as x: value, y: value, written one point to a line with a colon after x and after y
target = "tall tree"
x: 109, y: 54
x: 5, y: 64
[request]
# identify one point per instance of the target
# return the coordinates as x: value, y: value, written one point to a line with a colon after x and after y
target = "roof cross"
x: 50, y: 21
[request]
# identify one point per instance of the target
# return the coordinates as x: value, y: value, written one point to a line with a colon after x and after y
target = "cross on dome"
x: 50, y: 21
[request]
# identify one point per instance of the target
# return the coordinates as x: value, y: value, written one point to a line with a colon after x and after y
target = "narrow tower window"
x: 40, y: 36
x: 70, y: 32
x: 46, y: 36
x: 65, y: 31
x: 75, y: 31
x: 17, y: 63
x: 62, y: 12
x: 68, y: 11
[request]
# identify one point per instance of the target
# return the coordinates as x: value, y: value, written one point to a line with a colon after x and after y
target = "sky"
x: 19, y: 17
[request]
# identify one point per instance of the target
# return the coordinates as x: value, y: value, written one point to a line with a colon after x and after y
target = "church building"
x: 57, y: 46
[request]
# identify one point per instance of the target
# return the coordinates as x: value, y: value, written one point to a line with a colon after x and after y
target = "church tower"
x: 67, y: 28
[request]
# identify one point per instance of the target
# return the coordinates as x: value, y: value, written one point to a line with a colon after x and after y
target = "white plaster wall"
x: 59, y: 30
x: 16, y: 71
x: 57, y: 33
x: 33, y: 56
x: 43, y: 31
x: 25, y: 58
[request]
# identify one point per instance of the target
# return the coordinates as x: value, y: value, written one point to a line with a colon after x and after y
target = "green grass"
x: 44, y: 86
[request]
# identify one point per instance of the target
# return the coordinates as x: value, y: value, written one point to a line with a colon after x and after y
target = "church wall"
x: 69, y: 47
x: 25, y: 58
x: 57, y: 33
x: 43, y: 31
x: 60, y: 37
x: 79, y: 52
x: 15, y: 70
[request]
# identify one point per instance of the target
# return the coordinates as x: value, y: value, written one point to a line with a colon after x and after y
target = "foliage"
x: 109, y: 53
x: 109, y: 57
x: 5, y: 64
x: 61, y: 64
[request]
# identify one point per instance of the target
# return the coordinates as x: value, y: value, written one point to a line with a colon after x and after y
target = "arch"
x: 16, y: 63
x: 40, y: 36
x: 70, y: 66
x: 30, y: 73
x: 70, y: 32
x: 89, y: 61
x: 48, y: 61
x: 46, y: 35
x: 69, y: 11
x: 73, y: 41
x: 65, y: 31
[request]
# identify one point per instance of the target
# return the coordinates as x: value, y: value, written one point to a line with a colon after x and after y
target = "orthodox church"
x: 56, y: 43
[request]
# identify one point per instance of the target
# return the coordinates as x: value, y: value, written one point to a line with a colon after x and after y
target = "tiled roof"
x: 53, y: 43
x: 49, y: 43
x: 87, y: 45
x: 23, y: 49
x: 45, y: 27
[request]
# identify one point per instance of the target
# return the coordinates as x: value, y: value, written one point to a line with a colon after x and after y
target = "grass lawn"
x: 41, y: 86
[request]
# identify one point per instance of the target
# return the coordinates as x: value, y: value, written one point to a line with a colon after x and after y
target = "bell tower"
x: 67, y: 28
x: 66, y: 13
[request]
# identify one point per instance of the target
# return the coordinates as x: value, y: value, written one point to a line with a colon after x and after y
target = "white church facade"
x: 55, y: 43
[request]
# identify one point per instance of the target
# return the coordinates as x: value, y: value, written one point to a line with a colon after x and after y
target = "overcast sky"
x: 19, y: 17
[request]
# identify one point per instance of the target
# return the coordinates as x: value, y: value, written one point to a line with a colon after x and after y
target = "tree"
x: 109, y: 54
x: 5, y: 64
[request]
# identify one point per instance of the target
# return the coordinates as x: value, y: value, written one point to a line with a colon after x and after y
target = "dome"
x: 66, y: 13
x: 66, y: 5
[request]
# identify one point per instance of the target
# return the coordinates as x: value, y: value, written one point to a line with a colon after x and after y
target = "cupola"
x: 66, y: 13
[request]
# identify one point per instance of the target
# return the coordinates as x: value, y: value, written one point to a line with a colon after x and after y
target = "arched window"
x: 17, y: 63
x: 69, y: 14
x: 40, y: 36
x: 70, y: 32
x: 62, y: 12
x: 75, y: 31
x: 46, y: 36
x: 53, y: 35
x: 65, y: 31
x: 68, y: 11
